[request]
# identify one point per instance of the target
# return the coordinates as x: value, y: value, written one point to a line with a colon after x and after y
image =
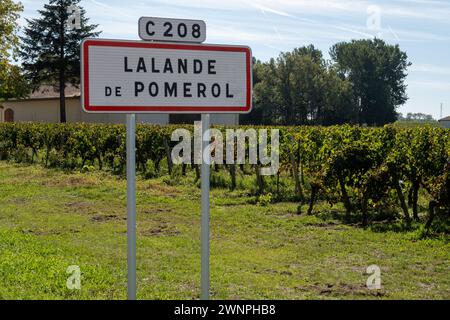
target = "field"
x: 51, y: 219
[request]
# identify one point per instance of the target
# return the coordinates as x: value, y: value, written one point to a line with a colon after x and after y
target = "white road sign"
x: 173, y: 30
x: 149, y: 77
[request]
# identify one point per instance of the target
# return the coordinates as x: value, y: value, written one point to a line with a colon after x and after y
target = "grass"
x: 50, y: 220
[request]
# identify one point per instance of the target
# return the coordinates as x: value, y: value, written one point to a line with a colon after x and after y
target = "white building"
x: 43, y: 106
x: 445, y: 122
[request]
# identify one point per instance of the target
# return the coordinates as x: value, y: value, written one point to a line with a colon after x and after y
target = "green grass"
x: 50, y: 220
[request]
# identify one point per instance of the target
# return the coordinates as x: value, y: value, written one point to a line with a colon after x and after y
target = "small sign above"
x: 172, y: 30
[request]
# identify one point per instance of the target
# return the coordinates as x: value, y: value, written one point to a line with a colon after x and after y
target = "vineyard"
x: 376, y: 174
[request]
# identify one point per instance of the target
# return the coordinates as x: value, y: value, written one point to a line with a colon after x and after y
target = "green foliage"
x: 12, y: 82
x: 300, y: 87
x: 372, y: 171
x: 174, y: 178
x: 9, y: 26
x: 377, y: 72
x: 363, y: 83
x: 264, y: 199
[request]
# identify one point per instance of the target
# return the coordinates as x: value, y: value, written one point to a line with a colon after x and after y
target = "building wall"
x: 36, y: 110
x: 47, y: 111
x: 445, y: 124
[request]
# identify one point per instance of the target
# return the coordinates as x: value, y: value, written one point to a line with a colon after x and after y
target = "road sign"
x: 173, y: 30
x: 149, y: 77
x: 160, y: 77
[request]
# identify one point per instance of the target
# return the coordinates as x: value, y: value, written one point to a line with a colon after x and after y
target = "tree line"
x: 363, y: 82
x: 419, y: 116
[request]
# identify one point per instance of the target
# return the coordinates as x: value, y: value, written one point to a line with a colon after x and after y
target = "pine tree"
x: 50, y: 49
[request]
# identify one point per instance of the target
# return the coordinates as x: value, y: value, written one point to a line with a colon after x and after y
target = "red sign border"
x: 161, y: 109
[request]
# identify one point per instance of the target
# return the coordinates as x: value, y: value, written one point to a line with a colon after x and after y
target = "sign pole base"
x: 131, y: 205
x: 205, y: 172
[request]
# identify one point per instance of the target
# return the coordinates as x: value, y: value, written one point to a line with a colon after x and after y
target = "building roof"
x: 445, y: 119
x: 49, y: 92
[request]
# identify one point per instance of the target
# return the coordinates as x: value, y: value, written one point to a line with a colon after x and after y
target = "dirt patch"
x: 156, y: 210
x: 77, y: 206
x: 41, y: 232
x: 341, y: 289
x: 38, y: 232
x: 326, y: 225
x: 70, y: 181
x: 276, y: 272
x: 19, y: 200
x: 162, y: 189
x: 105, y: 218
x: 161, y: 230
x: 229, y: 204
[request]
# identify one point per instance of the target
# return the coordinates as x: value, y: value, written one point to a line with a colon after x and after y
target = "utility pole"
x: 441, y: 110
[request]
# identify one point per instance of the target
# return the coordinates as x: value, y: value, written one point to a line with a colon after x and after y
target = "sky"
x: 420, y: 27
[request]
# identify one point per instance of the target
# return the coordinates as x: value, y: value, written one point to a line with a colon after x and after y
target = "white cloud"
x: 429, y: 68
x: 431, y: 85
x: 265, y: 9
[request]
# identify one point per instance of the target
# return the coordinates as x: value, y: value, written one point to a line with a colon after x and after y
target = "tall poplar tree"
x: 50, y: 48
x: 378, y: 72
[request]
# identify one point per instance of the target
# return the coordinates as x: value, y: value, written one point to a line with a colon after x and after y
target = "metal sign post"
x: 205, y: 172
x: 131, y: 205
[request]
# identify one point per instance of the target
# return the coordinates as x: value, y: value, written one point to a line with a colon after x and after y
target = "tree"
x: 12, y: 84
x: 377, y: 72
x: 9, y: 14
x: 300, y: 87
x: 340, y: 105
x: 263, y: 95
x: 299, y: 73
x: 51, y: 50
